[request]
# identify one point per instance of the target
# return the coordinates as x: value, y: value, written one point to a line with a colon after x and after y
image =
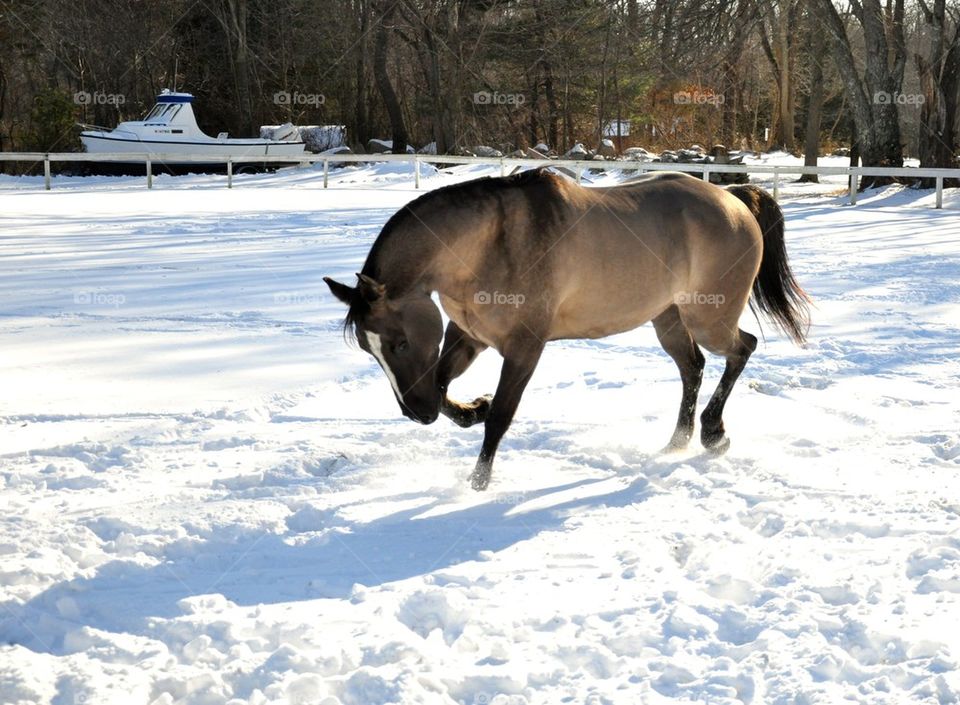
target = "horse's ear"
x: 370, y: 288
x: 347, y: 294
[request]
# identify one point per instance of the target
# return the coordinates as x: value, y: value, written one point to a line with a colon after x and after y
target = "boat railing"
x: 99, y: 128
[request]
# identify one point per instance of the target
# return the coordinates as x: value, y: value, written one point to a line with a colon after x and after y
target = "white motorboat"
x: 170, y: 128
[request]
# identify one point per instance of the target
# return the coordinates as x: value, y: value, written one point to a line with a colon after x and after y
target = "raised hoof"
x: 467, y: 415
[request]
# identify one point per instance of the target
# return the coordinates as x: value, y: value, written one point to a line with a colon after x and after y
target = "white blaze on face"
x: 373, y: 341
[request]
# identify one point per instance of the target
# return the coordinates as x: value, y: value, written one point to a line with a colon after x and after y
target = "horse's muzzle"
x: 421, y: 415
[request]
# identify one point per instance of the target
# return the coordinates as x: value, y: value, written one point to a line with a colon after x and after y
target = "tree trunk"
x: 871, y: 96
x: 233, y: 18
x: 728, y: 114
x: 552, y: 135
x: 811, y: 142
x: 398, y: 128
x: 361, y: 104
x: 785, y: 100
x: 940, y: 83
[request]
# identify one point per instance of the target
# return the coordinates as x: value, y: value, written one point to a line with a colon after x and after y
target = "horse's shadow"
x: 256, y: 567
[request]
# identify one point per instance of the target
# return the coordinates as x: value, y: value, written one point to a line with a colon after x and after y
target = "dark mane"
x: 464, y: 192
x: 357, y: 310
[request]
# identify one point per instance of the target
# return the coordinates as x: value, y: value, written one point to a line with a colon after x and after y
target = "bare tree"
x: 872, y: 94
x: 815, y: 97
x: 777, y: 32
x: 939, y: 70
x: 398, y: 128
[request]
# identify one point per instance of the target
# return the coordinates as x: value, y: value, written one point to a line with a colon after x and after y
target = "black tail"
x: 775, y: 290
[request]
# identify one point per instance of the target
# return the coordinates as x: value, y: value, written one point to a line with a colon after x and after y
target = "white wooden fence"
x: 506, y: 164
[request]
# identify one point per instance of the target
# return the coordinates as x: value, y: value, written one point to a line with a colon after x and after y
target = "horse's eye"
x: 402, y: 346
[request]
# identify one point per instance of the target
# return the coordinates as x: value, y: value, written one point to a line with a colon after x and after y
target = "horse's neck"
x: 405, y: 261
x: 432, y: 257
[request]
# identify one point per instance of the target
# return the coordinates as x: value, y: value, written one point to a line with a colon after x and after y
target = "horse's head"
x: 404, y: 335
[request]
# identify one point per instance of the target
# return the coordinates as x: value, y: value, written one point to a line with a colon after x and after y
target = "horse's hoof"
x: 479, y: 480
x: 482, y: 402
x: 473, y: 413
x: 676, y: 444
x: 718, y: 447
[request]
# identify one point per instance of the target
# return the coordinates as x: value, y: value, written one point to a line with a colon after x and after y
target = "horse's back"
x: 628, y: 251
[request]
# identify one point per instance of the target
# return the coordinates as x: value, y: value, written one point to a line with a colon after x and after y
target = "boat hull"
x: 216, y: 151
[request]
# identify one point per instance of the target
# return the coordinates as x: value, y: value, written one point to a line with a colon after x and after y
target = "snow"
x: 210, y: 498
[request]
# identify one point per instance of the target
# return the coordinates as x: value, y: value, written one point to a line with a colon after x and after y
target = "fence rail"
x: 506, y: 164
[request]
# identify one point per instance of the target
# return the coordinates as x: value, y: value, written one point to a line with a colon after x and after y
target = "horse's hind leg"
x: 678, y: 344
x: 712, y: 433
x: 459, y: 352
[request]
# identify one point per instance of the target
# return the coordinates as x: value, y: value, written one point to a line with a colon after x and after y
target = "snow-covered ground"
x: 208, y: 497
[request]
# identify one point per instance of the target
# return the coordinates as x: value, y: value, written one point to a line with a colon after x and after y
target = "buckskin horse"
x: 526, y: 259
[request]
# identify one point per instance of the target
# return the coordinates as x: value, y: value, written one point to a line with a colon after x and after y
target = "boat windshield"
x: 162, y: 112
x: 153, y: 113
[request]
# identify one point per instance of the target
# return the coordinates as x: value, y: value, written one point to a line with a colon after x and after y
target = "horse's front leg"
x: 519, y: 362
x: 459, y: 352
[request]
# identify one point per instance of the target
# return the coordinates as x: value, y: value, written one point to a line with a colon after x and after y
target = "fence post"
x: 579, y: 172
x: 939, y: 192
x: 149, y: 173
x: 706, y: 175
x: 46, y: 171
x: 416, y: 171
x: 229, y: 173
x: 326, y: 172
x: 503, y: 168
x: 853, y: 187
x: 776, y: 184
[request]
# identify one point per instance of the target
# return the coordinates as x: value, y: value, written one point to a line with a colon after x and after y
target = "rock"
x: 578, y: 151
x: 541, y: 147
x: 668, y: 156
x: 637, y: 154
x: 319, y: 138
x: 484, y: 151
x: 316, y: 138
x: 376, y: 146
x: 719, y: 154
x: 607, y: 149
x: 691, y: 156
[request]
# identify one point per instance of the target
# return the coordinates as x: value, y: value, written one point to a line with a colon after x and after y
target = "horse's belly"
x: 594, y: 323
